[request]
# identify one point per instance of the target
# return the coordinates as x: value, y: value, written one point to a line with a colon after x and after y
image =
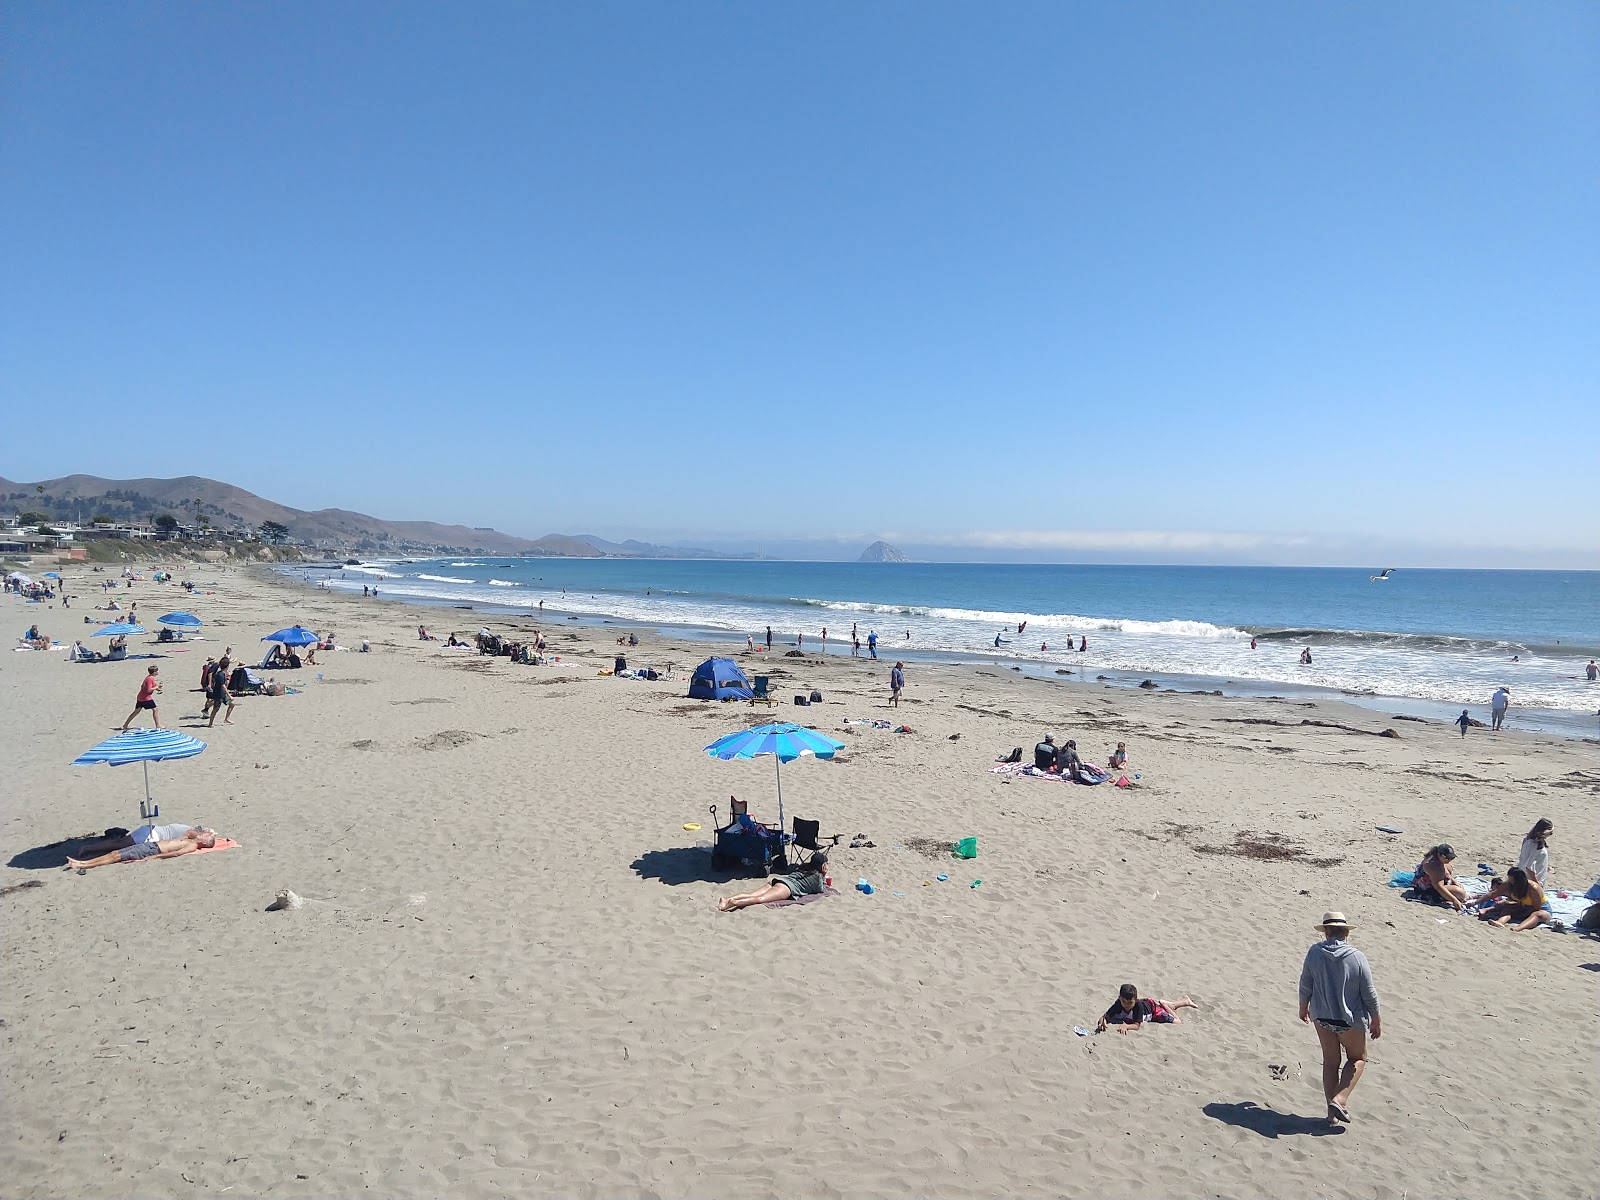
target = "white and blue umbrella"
x: 785, y: 741
x: 143, y: 746
x: 119, y: 629
x: 181, y: 620
x: 51, y: 575
x: 295, y: 635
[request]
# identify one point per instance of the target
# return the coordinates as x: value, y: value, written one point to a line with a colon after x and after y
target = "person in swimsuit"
x: 1337, y: 993
x: 1519, y: 899
x: 194, y: 839
x: 807, y: 880
x: 1119, y: 757
x: 1434, y: 880
x: 1129, y: 1013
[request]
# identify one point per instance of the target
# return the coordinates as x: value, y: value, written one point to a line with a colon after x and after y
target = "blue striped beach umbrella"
x: 143, y: 746
x: 119, y: 629
x: 295, y: 635
x: 785, y: 741
x: 181, y: 620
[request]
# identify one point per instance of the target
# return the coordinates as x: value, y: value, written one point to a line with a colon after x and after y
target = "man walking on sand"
x: 147, y: 698
x: 1498, y: 706
x: 1337, y: 995
x: 897, y: 684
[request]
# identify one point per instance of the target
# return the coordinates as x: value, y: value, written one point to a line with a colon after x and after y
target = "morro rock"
x: 881, y: 552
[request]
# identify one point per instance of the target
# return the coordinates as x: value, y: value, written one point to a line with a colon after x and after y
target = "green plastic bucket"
x: 966, y: 848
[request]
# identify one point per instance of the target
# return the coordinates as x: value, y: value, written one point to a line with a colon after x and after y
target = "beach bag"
x: 802, y: 701
x: 816, y: 696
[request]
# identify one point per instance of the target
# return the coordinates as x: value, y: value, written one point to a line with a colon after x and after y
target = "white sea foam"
x: 466, y: 564
x: 504, y: 583
x: 445, y: 579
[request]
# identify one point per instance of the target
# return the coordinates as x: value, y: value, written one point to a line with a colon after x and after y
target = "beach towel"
x: 822, y: 895
x: 1564, y: 909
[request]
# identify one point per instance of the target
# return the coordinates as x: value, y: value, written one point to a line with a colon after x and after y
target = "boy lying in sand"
x: 1129, y: 1012
x: 194, y: 839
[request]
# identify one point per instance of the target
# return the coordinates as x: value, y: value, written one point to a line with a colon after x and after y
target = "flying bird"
x: 1382, y: 576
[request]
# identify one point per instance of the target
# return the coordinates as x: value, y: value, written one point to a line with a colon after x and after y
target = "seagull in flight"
x: 1382, y: 576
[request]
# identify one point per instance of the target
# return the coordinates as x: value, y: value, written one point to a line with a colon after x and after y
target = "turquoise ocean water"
x: 1422, y: 642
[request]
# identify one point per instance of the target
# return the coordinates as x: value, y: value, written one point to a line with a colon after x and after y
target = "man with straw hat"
x: 1337, y: 996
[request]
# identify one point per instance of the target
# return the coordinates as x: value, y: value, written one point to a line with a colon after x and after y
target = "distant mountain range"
x: 84, y: 498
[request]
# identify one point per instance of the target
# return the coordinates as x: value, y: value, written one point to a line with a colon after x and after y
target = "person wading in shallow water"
x: 1338, y: 997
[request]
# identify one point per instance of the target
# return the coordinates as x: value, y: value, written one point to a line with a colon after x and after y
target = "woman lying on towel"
x: 803, y: 881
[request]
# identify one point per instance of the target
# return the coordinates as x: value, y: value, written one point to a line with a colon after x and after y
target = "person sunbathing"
x: 1435, y: 881
x: 39, y: 641
x: 807, y: 880
x: 1128, y: 1012
x: 1518, y: 898
x: 194, y: 839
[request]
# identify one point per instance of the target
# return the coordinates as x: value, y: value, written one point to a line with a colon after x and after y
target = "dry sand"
x: 509, y: 977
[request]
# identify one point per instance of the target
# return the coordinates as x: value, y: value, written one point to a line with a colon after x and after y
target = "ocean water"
x: 1445, y: 638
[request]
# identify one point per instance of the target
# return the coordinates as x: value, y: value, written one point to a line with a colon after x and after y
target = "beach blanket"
x: 869, y: 724
x: 814, y: 896
x: 1565, y: 909
x: 1091, y: 775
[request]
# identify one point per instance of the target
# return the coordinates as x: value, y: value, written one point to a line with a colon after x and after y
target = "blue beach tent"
x: 719, y: 679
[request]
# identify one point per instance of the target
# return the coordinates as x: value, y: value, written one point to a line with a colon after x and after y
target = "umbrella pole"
x: 147, y: 810
x: 778, y: 762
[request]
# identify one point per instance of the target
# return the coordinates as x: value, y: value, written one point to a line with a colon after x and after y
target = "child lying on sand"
x: 1129, y: 1012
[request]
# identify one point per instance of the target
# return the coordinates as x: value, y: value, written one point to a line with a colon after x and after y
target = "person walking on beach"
x: 147, y: 698
x: 897, y: 683
x: 769, y: 637
x: 824, y: 641
x: 1338, y: 996
x: 1498, y: 706
x: 1464, y: 721
x: 855, y: 645
x: 872, y: 643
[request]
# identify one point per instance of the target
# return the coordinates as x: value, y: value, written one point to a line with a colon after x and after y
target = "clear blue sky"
x: 1229, y: 281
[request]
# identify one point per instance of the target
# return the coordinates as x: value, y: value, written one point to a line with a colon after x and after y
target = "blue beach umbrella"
x: 181, y: 620
x: 143, y: 746
x: 120, y: 629
x: 785, y: 741
x: 295, y: 635
x: 51, y: 575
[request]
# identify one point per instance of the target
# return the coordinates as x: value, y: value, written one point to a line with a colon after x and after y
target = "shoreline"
x: 1568, y: 724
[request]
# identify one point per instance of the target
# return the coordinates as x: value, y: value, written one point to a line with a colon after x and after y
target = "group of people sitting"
x: 35, y: 640
x: 1514, y: 901
x: 115, y: 652
x: 529, y: 653
x: 1064, y: 760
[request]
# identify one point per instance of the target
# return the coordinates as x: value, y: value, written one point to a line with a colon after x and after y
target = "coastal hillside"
x: 193, y: 499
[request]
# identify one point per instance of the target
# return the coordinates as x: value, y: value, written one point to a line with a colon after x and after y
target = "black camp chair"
x: 744, y: 844
x: 807, y: 840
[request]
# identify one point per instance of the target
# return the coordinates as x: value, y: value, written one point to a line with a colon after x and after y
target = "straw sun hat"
x: 1334, y: 920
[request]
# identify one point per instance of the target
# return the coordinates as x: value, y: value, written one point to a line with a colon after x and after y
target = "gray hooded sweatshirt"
x: 1337, y: 983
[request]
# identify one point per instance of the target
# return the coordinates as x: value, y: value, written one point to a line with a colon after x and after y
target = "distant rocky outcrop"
x: 882, y: 552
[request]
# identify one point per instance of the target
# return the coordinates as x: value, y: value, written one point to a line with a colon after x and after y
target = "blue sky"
x: 1229, y: 282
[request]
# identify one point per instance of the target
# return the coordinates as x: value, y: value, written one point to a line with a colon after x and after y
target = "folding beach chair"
x: 760, y: 693
x: 808, y: 837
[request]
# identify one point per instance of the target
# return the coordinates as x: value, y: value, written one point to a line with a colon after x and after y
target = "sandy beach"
x: 508, y: 976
